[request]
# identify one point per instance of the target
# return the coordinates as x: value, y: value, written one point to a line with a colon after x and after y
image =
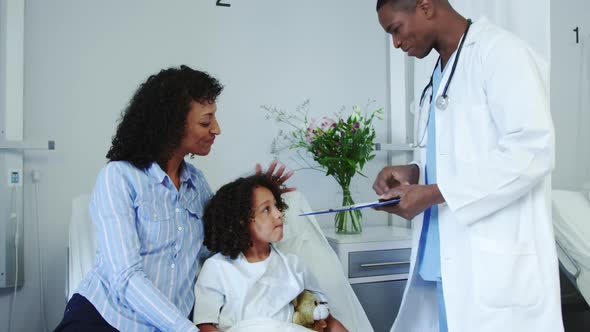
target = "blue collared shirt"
x: 149, y: 237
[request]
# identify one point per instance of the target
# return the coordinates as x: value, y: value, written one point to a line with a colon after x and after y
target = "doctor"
x: 479, y: 194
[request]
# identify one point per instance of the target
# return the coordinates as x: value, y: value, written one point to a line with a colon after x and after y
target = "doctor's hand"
x: 414, y: 199
x: 392, y: 176
x: 279, y: 176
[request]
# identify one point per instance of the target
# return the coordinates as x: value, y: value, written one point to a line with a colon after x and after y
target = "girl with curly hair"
x: 248, y: 277
x: 147, y: 206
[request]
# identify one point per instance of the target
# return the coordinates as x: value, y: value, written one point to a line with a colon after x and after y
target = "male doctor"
x: 484, y: 254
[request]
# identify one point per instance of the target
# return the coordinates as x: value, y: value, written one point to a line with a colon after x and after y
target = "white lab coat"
x: 495, y: 152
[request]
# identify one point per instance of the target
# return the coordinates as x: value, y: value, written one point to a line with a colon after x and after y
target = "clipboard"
x: 358, y: 206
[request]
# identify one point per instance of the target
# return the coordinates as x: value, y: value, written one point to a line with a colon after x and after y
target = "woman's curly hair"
x: 153, y: 124
x: 230, y: 210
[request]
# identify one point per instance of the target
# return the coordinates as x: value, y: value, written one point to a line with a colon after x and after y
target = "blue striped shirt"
x: 149, y: 236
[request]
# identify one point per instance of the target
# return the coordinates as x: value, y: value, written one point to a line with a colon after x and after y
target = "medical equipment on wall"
x: 442, y: 101
x: 19, y: 145
x: 12, y: 219
x: 11, y: 222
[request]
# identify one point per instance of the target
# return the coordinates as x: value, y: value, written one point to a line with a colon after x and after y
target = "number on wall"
x: 221, y: 4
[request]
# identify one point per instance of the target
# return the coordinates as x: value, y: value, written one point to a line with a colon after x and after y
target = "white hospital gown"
x: 229, y: 291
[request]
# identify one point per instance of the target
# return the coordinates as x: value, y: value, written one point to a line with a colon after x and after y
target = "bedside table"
x: 377, y: 263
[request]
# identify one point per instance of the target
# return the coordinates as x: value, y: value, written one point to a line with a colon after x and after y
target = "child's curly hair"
x: 229, y: 211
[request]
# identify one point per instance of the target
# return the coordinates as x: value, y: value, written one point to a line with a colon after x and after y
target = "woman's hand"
x: 334, y: 325
x: 320, y: 325
x: 207, y: 327
x: 279, y: 176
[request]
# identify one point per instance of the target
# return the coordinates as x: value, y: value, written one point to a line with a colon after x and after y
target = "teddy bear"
x: 310, y: 312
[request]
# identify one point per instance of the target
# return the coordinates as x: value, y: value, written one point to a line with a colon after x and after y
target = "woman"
x: 147, y: 206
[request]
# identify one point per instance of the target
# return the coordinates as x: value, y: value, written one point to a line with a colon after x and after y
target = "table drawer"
x: 378, y: 262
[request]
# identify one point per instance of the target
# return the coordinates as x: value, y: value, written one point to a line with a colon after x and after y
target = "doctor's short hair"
x: 230, y: 210
x: 405, y: 5
x: 153, y: 124
x: 397, y: 4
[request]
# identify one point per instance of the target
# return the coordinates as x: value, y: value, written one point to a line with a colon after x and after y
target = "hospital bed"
x: 81, y: 244
x: 302, y: 237
x: 571, y: 223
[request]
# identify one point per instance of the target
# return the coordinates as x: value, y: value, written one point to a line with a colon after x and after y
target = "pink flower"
x: 318, y: 126
x: 327, y: 123
x: 309, y: 134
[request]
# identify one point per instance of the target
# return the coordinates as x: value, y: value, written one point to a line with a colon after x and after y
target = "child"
x: 248, y: 278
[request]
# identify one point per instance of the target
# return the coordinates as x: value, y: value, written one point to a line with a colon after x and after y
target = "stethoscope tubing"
x: 444, y: 96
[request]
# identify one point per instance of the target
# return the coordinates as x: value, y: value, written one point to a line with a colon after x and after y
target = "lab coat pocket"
x: 505, y: 276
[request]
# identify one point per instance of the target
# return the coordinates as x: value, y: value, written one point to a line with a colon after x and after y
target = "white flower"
x: 356, y: 115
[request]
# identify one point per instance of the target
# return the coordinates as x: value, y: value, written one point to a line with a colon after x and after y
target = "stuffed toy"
x: 309, y: 311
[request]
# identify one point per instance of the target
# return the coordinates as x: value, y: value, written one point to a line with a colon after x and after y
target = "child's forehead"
x: 262, y: 193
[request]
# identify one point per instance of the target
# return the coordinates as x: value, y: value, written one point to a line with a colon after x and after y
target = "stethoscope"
x: 442, y: 101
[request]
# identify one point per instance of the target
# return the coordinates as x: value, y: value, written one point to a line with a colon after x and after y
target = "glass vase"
x: 348, y: 222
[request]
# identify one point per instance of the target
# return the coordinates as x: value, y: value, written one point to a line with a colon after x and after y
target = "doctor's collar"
x: 475, y: 31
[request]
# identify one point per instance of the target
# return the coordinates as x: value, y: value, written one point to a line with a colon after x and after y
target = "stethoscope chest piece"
x: 442, y: 102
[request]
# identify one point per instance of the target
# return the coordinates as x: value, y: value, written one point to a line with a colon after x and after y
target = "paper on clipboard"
x: 358, y: 206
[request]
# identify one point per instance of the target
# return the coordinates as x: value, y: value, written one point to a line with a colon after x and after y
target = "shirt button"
x: 172, y: 266
x: 179, y: 228
x: 177, y: 210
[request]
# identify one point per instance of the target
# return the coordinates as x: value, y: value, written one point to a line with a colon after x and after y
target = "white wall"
x: 570, y: 102
x: 528, y: 19
x: 84, y: 59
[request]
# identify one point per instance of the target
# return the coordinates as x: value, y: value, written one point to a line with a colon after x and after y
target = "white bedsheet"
x: 266, y: 325
x: 571, y: 222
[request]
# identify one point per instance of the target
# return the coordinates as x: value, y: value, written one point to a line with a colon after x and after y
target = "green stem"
x: 348, y: 222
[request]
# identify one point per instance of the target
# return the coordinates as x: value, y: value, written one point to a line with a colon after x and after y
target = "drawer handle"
x: 384, y: 264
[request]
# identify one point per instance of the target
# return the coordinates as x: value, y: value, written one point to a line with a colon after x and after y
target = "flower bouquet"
x: 339, y: 145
